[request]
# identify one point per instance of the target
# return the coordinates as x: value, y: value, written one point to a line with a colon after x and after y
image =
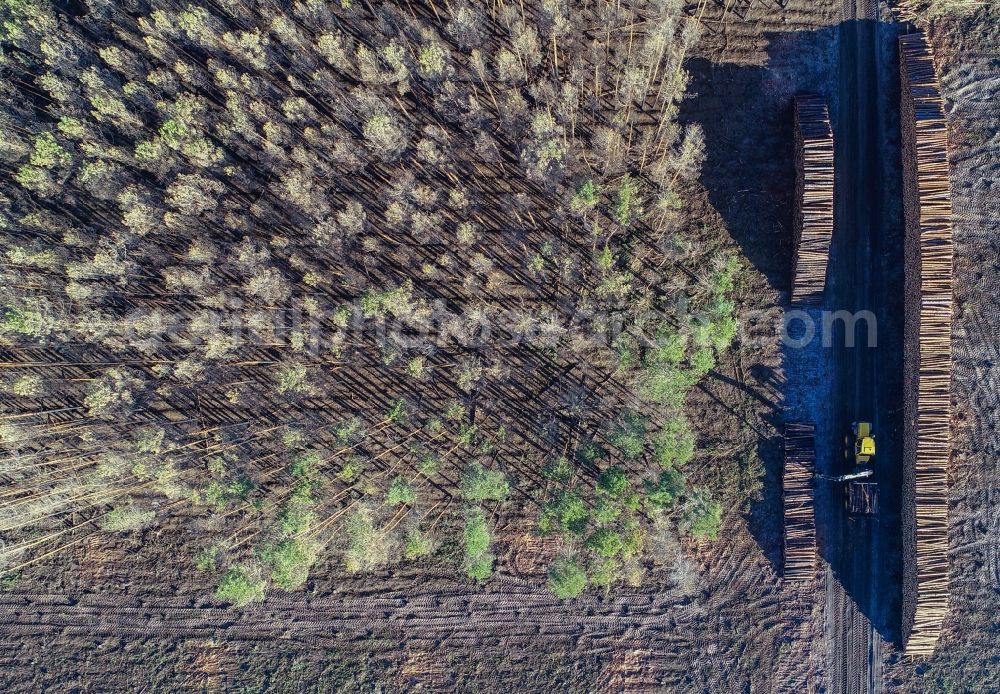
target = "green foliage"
x: 28, y: 386
x: 567, y: 579
x: 605, y: 542
x: 701, y: 515
x: 217, y: 466
x: 613, y: 482
x: 396, y: 301
x: 724, y: 280
x: 536, y: 263
x: 28, y: 320
x: 126, y: 518
x: 297, y: 514
x: 428, y: 465
x: 674, y: 444
x: 589, y: 452
x: 481, y: 567
x: 944, y: 8
x: 240, y: 586
x: 149, y: 440
x: 668, y: 346
x: 629, y: 434
x: 664, y: 493
x: 40, y: 258
x: 292, y: 379
x: 454, y: 410
x: 476, y: 534
x: 206, y: 558
x: 289, y: 560
x: 606, y: 259
x: 480, y: 484
x: 220, y: 494
x: 567, y: 511
x: 432, y: 59
x: 702, y: 361
x: 466, y: 434
x: 304, y: 465
x: 384, y: 135
x: 626, y: 204
x: 717, y: 328
x: 350, y: 469
x: 558, y: 469
x: 633, y: 538
x: 48, y: 153
x: 400, y: 492
x: 606, y: 510
x: 476, y: 537
x: 665, y: 385
x: 416, y: 545
x: 16, y: 13
x: 616, y: 285
x: 165, y: 146
x: 33, y: 178
x: 396, y: 413
x: 416, y: 367
x: 348, y: 430
x: 366, y: 549
x: 149, y: 151
x: 585, y: 197
x: 603, y: 572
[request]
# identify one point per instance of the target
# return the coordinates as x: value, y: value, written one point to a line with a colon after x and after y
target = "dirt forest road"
x: 865, y: 275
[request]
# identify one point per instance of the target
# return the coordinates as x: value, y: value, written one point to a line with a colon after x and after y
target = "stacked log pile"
x: 797, y: 491
x: 813, y: 200
x: 927, y: 337
x: 862, y: 498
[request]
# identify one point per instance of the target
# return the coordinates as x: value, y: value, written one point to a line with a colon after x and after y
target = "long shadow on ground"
x: 746, y: 113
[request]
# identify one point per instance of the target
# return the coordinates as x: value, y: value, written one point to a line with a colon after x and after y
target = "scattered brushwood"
x: 928, y: 289
x: 307, y: 268
x: 924, y: 10
x: 813, y: 200
x: 798, y: 489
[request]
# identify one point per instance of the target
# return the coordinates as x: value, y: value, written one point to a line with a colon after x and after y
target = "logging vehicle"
x: 860, y: 497
x: 864, y: 443
x: 860, y: 494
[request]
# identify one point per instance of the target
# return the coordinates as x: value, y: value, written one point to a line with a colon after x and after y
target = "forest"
x: 355, y: 283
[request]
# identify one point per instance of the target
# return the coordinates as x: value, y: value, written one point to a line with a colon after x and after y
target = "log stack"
x: 927, y: 335
x: 797, y: 492
x: 813, y: 200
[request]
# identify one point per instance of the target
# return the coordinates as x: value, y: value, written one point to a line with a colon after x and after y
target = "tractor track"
x: 522, y: 618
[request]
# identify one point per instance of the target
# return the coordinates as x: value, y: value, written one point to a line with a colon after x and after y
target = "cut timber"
x: 862, y: 498
x: 927, y: 336
x: 813, y: 200
x: 797, y: 488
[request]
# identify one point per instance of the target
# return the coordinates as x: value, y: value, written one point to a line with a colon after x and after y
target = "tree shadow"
x: 749, y: 172
x: 746, y: 114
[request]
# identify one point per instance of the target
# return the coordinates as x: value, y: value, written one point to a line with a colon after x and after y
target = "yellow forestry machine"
x: 864, y: 443
x: 860, y: 498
